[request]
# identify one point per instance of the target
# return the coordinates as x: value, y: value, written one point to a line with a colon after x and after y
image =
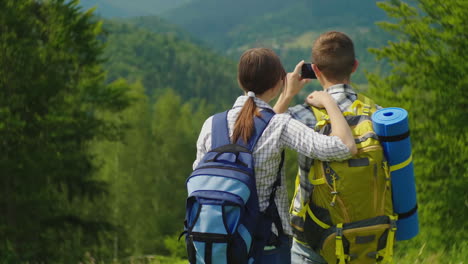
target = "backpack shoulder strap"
x: 363, y: 106
x: 321, y: 116
x: 260, y: 124
x: 220, y: 129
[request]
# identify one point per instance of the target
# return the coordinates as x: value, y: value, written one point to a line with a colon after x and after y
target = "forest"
x: 100, y: 110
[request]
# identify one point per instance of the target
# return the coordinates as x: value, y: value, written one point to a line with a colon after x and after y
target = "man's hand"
x: 294, y: 82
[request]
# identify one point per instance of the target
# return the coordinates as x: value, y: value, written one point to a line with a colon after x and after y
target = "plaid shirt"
x: 344, y: 96
x: 281, y: 132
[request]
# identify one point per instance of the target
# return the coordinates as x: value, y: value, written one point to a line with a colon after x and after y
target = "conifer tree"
x: 428, y: 78
x: 51, y: 87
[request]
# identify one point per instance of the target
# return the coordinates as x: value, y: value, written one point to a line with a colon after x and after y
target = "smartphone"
x: 307, y: 72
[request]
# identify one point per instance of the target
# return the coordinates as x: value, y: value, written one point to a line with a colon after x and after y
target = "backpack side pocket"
x: 317, y: 221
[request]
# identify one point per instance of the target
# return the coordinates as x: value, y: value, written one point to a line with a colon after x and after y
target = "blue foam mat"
x: 388, y: 122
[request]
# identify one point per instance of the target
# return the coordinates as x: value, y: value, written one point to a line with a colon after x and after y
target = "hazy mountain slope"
x: 224, y: 21
x: 159, y: 25
x: 125, y: 8
x: 108, y: 9
x: 214, y: 18
x: 162, y: 61
x: 289, y: 27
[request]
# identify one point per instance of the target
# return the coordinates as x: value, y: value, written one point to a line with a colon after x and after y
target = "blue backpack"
x: 223, y: 223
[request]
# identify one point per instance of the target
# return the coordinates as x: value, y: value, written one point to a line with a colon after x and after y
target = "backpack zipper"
x: 335, y: 193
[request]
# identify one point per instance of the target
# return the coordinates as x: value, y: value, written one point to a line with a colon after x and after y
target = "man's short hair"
x: 333, y: 53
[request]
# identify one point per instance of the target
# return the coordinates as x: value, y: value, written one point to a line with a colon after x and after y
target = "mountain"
x: 159, y: 25
x: 162, y: 60
x: 288, y: 27
x: 231, y: 27
x: 223, y: 21
x: 124, y: 8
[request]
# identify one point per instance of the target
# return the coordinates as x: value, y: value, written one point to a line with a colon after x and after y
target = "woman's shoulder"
x: 279, y: 121
x: 206, y: 127
x: 282, y: 117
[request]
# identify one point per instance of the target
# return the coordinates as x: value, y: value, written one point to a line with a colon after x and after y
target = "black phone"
x: 307, y: 72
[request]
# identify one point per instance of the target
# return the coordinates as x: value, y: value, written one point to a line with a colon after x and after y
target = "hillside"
x: 289, y: 27
x: 223, y: 20
x: 123, y: 8
x: 162, y: 60
x: 159, y: 25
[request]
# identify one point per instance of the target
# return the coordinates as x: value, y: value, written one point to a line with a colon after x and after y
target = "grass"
x: 456, y: 255
x: 406, y: 252
x: 147, y: 259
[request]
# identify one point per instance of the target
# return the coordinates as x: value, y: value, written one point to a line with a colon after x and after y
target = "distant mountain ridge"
x: 222, y: 21
x: 125, y: 8
x: 231, y: 27
x: 288, y: 27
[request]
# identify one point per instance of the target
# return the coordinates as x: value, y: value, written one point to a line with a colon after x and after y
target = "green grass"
x: 454, y: 256
x: 147, y: 259
x: 406, y: 252
x: 168, y: 260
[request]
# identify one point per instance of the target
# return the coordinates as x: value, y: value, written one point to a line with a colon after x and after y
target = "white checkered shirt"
x: 281, y: 132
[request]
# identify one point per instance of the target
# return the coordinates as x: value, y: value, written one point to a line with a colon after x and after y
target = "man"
x: 333, y: 63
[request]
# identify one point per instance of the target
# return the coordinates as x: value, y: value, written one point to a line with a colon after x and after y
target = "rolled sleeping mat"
x: 391, y: 125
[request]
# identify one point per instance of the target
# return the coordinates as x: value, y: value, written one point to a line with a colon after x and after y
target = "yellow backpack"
x: 349, y: 217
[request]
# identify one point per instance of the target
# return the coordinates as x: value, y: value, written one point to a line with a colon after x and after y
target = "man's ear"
x: 356, y: 64
x: 316, y: 70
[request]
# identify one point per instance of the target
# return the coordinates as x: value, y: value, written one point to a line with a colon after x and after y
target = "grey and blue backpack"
x: 223, y: 223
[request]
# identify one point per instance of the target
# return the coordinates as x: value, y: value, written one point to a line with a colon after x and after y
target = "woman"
x: 262, y: 77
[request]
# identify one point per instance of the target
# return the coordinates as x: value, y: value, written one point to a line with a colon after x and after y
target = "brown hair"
x: 333, y: 53
x: 259, y: 70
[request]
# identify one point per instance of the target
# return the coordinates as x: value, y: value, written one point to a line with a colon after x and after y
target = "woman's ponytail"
x: 244, y: 126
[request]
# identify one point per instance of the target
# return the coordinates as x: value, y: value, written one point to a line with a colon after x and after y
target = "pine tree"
x: 51, y: 87
x: 428, y: 78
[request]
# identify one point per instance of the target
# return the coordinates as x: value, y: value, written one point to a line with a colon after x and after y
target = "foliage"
x: 161, y: 26
x: 51, y: 86
x: 428, y: 78
x: 160, y: 61
x: 148, y: 167
x: 175, y: 246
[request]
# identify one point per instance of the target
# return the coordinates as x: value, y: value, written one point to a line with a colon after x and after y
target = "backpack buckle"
x: 393, y: 225
x: 366, y: 109
x: 339, y: 233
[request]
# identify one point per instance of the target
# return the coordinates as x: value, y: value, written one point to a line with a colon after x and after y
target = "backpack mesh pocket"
x: 314, y: 231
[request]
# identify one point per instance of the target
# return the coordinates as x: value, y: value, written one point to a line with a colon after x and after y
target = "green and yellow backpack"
x: 349, y: 217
